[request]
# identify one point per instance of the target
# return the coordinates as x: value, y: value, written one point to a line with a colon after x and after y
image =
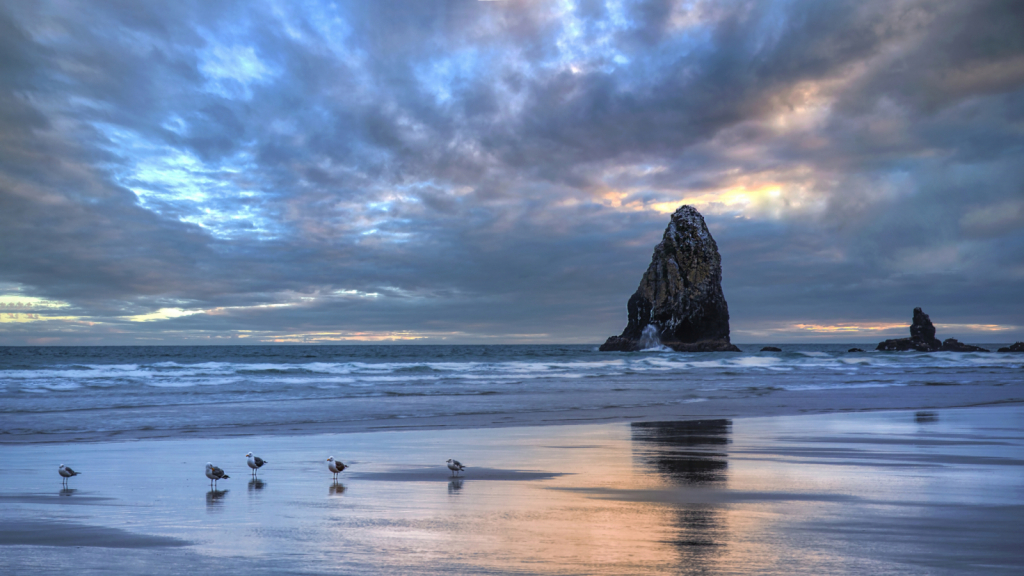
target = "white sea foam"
x: 188, y: 383
x: 755, y: 361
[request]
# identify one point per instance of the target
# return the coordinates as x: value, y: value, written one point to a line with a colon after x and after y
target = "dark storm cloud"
x: 502, y: 169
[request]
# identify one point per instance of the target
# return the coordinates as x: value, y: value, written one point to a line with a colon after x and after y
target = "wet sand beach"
x: 920, y: 491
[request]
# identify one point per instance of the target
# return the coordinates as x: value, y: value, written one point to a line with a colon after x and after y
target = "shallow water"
x: 90, y: 391
x: 922, y: 492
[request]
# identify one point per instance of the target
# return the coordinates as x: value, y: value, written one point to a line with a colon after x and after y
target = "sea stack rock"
x: 922, y: 338
x: 679, y: 303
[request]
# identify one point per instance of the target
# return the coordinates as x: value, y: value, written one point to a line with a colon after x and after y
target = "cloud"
x: 500, y: 171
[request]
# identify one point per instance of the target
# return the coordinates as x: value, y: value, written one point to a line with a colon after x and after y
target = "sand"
x: 924, y: 491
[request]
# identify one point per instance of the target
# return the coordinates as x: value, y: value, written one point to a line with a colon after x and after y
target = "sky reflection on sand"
x: 844, y: 493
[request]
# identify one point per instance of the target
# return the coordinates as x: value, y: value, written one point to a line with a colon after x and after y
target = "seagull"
x: 214, y: 474
x: 335, y: 466
x: 254, y: 462
x: 66, y: 472
x: 455, y: 466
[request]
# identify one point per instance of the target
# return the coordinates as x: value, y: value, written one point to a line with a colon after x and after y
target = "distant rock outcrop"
x: 771, y: 349
x: 922, y: 338
x: 854, y: 350
x: 954, y: 345
x: 679, y: 303
x: 1015, y: 347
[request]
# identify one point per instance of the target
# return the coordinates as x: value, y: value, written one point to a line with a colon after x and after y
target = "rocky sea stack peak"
x: 922, y: 338
x: 680, y: 300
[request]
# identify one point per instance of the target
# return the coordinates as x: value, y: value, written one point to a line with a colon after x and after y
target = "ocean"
x: 68, y: 393
x: 808, y: 461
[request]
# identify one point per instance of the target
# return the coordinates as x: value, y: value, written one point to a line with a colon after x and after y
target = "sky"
x: 459, y: 171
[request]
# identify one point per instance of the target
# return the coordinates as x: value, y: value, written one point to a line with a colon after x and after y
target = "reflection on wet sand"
x: 68, y: 491
x: 689, y: 453
x: 454, y: 486
x: 896, y: 492
x: 214, y: 499
x: 256, y: 484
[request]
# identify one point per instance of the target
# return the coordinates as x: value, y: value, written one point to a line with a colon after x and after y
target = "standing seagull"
x: 335, y: 466
x: 214, y: 474
x: 65, y: 473
x: 455, y: 466
x: 254, y: 462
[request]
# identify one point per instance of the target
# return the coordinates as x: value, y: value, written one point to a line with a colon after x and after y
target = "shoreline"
x: 799, y: 493
x: 777, y: 403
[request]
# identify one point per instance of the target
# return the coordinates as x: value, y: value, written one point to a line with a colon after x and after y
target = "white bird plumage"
x: 66, y: 472
x: 214, y: 474
x: 254, y: 462
x: 335, y: 466
x: 455, y: 466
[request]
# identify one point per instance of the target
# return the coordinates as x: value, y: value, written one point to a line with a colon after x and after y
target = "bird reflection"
x: 689, y: 453
x: 214, y: 498
x: 256, y: 484
x: 454, y: 486
x: 68, y: 491
x: 926, y: 417
x: 337, y: 489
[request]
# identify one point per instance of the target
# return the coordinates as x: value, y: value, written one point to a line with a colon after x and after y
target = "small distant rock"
x: 954, y: 345
x: 771, y: 349
x: 854, y: 350
x: 1016, y: 347
x: 922, y: 336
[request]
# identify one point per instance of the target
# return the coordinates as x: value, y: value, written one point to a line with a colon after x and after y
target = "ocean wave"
x: 525, y: 367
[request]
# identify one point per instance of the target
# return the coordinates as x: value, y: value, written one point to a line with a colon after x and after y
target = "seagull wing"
x: 70, y: 471
x: 259, y: 461
x: 219, y: 473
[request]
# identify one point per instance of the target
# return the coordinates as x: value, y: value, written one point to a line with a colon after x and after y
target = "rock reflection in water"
x: 689, y: 453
